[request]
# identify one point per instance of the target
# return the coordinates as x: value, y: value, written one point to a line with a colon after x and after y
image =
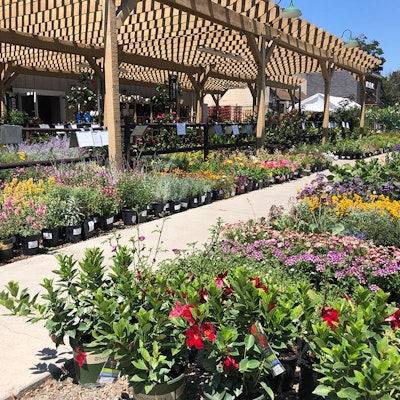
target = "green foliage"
x: 373, y: 49
x: 66, y: 305
x: 82, y: 98
x: 14, y: 117
x: 358, y: 353
x: 72, y: 214
x: 388, y: 117
x: 284, y: 131
x: 390, y: 89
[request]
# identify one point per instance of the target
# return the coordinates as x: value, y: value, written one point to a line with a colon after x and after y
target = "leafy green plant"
x: 15, y: 117
x: 356, y: 349
x: 72, y: 214
x: 67, y: 303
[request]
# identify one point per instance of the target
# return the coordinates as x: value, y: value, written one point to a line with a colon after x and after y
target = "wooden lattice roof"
x: 55, y: 37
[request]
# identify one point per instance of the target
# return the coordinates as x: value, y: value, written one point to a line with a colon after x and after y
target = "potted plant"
x: 54, y: 220
x: 163, y: 189
x: 354, y: 340
x: 224, y: 322
x: 15, y: 117
x: 72, y: 219
x: 67, y: 306
x: 8, y: 228
x: 147, y: 346
x: 30, y: 215
x: 89, y: 200
x: 135, y: 193
x: 108, y: 205
x: 133, y: 322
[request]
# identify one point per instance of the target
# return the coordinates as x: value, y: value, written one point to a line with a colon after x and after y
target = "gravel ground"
x: 64, y: 387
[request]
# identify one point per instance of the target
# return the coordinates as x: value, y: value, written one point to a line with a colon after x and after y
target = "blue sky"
x: 377, y: 20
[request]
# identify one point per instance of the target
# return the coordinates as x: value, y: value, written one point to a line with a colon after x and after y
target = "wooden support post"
x: 362, y: 82
x: 112, y: 118
x: 327, y: 72
x: 260, y: 131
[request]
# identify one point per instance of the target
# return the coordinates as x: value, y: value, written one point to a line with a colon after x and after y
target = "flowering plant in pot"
x: 147, y: 346
x: 8, y: 220
x: 227, y: 322
x: 30, y: 215
x: 67, y: 307
x: 357, y: 347
x: 135, y: 191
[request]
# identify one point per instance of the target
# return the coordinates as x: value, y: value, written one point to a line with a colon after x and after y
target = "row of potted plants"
x: 257, y: 298
x: 243, y: 330
x: 78, y: 199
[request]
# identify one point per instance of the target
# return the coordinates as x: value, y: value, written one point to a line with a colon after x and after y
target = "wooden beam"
x: 97, y: 70
x: 327, y: 72
x: 211, y: 11
x: 156, y: 63
x: 124, y: 10
x: 48, y: 43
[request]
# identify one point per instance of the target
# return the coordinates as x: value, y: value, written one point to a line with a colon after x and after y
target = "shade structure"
x: 315, y: 103
x: 155, y: 38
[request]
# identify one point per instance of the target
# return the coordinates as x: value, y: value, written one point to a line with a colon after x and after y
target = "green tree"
x: 373, y: 49
x: 391, y: 89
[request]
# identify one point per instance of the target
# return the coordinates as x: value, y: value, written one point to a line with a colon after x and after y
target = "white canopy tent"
x: 315, y: 103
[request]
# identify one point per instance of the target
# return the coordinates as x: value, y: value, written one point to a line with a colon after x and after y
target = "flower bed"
x: 238, y: 327
x: 77, y: 195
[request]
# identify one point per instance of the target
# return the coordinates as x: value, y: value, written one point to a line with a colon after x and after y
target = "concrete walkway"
x: 28, y: 354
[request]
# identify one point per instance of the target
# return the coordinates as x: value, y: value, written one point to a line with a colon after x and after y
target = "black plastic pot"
x: 51, y: 237
x: 129, y: 217
x: 73, y: 233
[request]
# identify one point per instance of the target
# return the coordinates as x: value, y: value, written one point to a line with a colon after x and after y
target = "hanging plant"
x: 82, y: 98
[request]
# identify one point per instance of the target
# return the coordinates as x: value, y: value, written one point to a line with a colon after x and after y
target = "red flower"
x: 330, y: 316
x: 257, y: 284
x: 272, y: 306
x: 194, y: 337
x: 80, y: 356
x: 208, y: 330
x: 228, y: 290
x: 203, y: 295
x: 183, y: 311
x: 230, y: 364
x: 394, y: 319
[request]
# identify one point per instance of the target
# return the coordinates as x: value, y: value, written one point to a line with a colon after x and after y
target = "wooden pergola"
x: 211, y: 44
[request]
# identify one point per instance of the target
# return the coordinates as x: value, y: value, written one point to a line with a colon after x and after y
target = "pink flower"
x: 394, y: 320
x: 141, y: 238
x: 183, y: 311
x: 220, y: 279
